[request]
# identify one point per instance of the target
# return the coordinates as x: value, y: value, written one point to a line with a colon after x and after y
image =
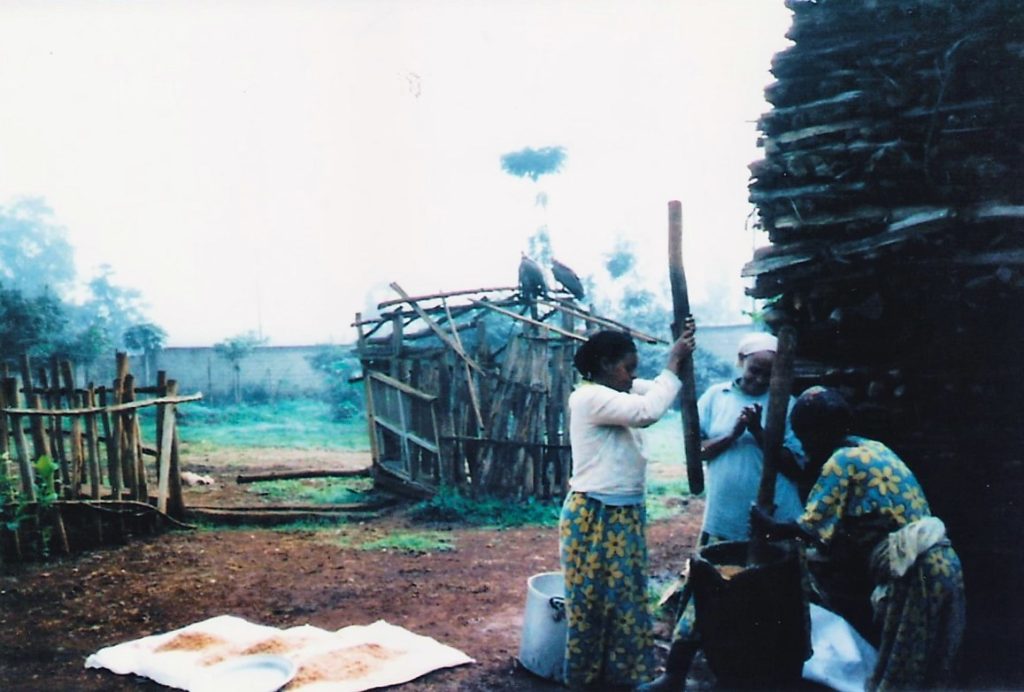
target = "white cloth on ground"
x: 349, y: 660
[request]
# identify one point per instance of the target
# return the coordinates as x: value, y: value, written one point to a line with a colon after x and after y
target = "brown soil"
x: 54, y: 614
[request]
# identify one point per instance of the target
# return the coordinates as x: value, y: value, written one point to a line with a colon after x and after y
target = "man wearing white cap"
x: 731, y: 429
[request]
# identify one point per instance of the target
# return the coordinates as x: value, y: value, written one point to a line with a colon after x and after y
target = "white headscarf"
x: 756, y: 342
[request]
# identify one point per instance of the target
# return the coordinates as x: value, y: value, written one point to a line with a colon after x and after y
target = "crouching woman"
x: 603, y: 547
x: 868, y: 511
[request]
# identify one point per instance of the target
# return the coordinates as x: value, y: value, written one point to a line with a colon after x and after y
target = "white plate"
x: 262, y: 673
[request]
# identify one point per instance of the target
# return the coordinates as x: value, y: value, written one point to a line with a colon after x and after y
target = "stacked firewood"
x: 892, y: 189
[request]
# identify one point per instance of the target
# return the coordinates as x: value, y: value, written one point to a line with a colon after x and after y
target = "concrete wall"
x: 277, y: 371
x: 284, y: 371
x: 722, y: 340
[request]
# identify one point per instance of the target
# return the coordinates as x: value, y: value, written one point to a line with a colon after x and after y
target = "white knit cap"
x: 758, y: 341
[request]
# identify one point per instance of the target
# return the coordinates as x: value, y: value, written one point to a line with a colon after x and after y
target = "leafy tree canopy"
x: 236, y: 348
x: 37, y: 275
x: 144, y: 337
x: 34, y: 251
x: 621, y: 259
x: 533, y: 163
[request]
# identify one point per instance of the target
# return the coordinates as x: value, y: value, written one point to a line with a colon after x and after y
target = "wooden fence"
x: 74, y: 459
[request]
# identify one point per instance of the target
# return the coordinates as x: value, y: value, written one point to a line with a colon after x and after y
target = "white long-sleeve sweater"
x: 607, y: 449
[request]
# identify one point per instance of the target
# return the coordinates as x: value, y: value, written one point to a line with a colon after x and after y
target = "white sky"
x: 267, y: 165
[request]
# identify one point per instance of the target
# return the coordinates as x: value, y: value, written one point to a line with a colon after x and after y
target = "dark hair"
x: 604, y: 346
x: 822, y: 412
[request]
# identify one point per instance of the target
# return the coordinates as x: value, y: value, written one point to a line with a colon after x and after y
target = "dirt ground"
x: 54, y: 614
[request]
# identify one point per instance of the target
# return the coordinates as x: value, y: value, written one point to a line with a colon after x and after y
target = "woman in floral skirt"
x: 603, y: 548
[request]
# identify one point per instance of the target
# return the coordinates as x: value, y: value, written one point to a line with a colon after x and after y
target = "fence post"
x: 166, y: 435
x: 28, y: 486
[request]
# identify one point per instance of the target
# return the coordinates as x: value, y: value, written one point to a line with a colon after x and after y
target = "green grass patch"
x: 418, y: 542
x: 666, y: 471
x: 449, y: 505
x: 320, y: 491
x: 293, y: 424
x: 297, y: 526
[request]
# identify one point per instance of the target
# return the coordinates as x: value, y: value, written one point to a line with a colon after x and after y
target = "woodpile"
x: 469, y: 389
x: 73, y: 467
x: 891, y: 190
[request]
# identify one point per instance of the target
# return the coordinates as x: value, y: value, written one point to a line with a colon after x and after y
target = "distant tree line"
x: 45, y: 312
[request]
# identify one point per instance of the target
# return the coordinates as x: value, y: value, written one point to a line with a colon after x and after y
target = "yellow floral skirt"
x: 604, y: 558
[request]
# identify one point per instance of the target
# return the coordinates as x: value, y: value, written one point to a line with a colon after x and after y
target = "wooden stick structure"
x: 77, y: 427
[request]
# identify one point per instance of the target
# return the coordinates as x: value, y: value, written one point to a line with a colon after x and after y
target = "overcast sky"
x: 267, y: 166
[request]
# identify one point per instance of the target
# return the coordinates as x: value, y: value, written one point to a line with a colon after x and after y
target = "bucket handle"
x: 557, y: 604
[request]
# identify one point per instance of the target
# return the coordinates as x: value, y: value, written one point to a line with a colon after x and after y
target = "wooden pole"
x: 40, y: 443
x: 164, y: 460
x: 474, y: 398
x: 77, y: 461
x: 175, y: 498
x: 25, y: 471
x: 680, y: 311
x: 5, y: 430
x: 92, y: 445
x: 779, y: 392
x: 52, y: 397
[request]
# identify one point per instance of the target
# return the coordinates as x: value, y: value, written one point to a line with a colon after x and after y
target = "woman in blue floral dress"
x: 603, y: 548
x: 868, y: 505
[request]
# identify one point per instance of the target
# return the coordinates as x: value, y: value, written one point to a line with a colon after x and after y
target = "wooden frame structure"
x: 469, y: 389
x: 97, y: 499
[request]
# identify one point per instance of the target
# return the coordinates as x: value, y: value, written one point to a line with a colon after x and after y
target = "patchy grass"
x: 449, y: 505
x: 666, y: 472
x: 416, y: 542
x: 320, y: 491
x: 292, y: 424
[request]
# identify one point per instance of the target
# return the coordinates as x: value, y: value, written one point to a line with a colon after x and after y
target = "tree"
x: 145, y: 338
x: 533, y: 163
x: 339, y: 364
x: 37, y: 273
x: 29, y: 325
x: 235, y: 350
x: 34, y: 252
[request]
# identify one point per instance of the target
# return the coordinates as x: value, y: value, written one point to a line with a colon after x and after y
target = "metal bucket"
x: 542, y: 648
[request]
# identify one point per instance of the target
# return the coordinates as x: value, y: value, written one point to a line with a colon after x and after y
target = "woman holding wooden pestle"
x: 868, y: 513
x: 731, y: 415
x: 603, y: 548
